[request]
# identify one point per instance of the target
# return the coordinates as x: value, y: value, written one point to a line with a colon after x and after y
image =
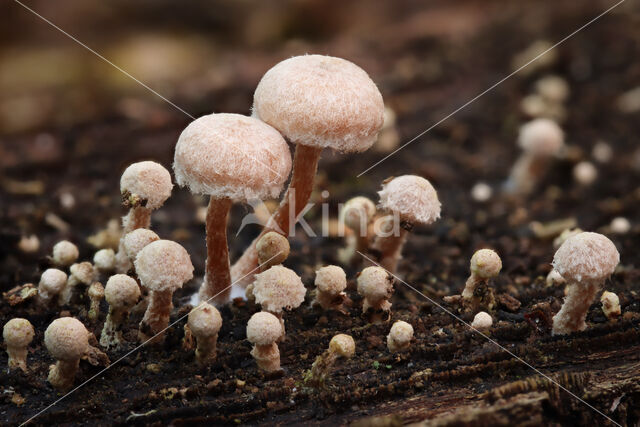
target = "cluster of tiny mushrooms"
x: 314, y: 102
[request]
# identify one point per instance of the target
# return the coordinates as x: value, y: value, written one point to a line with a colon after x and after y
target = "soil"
x: 450, y: 375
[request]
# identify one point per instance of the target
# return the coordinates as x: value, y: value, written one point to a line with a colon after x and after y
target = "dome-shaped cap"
x: 52, y: 281
x: 486, y: 263
x: 163, y: 265
x: 278, y: 288
x: 482, y: 320
x: 357, y: 211
x: 121, y: 291
x: 587, y: 256
x: 331, y: 279
x: 66, y: 339
x: 321, y: 101
x: 343, y: 345
x: 542, y: 137
x: 84, y: 272
x: 375, y: 283
x: 273, y: 248
x: 138, y: 239
x: 232, y: 156
x: 205, y: 320
x: 401, y: 332
x: 65, y: 253
x: 148, y: 180
x: 412, y: 197
x: 263, y: 328
x: 18, y: 332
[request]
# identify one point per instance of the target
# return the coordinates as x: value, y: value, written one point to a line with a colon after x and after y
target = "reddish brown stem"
x: 217, y: 278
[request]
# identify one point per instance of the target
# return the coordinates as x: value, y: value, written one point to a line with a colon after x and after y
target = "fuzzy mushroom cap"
x: 148, y: 180
x: 138, y: 239
x: 541, y: 137
x: 104, y: 259
x: 401, y: 332
x: 482, y: 320
x: 412, y: 197
x: 121, y: 291
x: 18, y: 332
x: 273, y: 248
x: 263, y: 328
x: 587, y: 256
x: 232, y: 156
x: 278, y: 288
x: 343, y: 345
x: 486, y: 263
x: 66, y: 339
x: 65, y: 253
x: 96, y: 290
x: 374, y: 283
x: 321, y: 101
x: 331, y: 280
x: 52, y: 281
x: 205, y: 320
x: 84, y: 272
x: 358, y: 211
x: 163, y: 265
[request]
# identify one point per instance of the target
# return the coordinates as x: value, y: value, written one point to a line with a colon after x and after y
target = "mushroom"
x: 96, y: 293
x: 610, y: 305
x: 18, y: 334
x: 585, y: 261
x: 263, y: 331
x: 273, y: 249
x: 340, y: 346
x: 375, y: 285
x: 65, y: 253
x: 278, y: 289
x: 485, y: 264
x: 144, y: 186
x: 400, y: 336
x: 105, y: 260
x: 356, y: 214
x: 204, y: 323
x: 136, y: 240
x: 331, y: 281
x: 52, y: 282
x: 585, y: 173
x: 316, y: 102
x: 162, y: 266
x: 482, y: 321
x: 67, y: 341
x: 228, y: 157
x: 541, y: 139
x: 412, y: 200
x: 81, y: 274
x: 122, y: 293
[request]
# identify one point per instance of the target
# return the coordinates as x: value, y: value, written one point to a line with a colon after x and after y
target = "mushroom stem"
x: 217, y: 278
x: 156, y: 318
x: 112, y: 329
x: 206, y: 349
x: 572, y: 315
x: 138, y: 217
x: 305, y: 166
x: 62, y: 374
x: 389, y: 244
x: 526, y: 172
x: 17, y: 357
x: 267, y: 357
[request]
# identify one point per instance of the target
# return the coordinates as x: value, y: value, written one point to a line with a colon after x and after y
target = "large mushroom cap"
x: 66, y: 339
x: 263, y: 328
x: 278, y: 288
x: 321, y: 101
x: 412, y: 197
x: 121, y: 291
x: 148, y: 180
x: 232, y: 156
x: 589, y: 257
x: 163, y: 265
x: 205, y: 320
x: 541, y: 137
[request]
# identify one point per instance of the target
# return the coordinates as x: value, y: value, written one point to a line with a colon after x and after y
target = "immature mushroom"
x: 228, y: 157
x: 263, y: 331
x: 67, y: 341
x: 144, y: 186
x: 18, y: 334
x: 541, y: 139
x: 122, y: 293
x: 136, y: 240
x: 610, y: 305
x: 412, y: 200
x: 96, y: 293
x: 273, y: 249
x: 585, y: 260
x: 585, y: 173
x: 52, y: 282
x: 340, y: 346
x: 278, y: 289
x: 316, y: 102
x: 400, y: 336
x: 204, y: 323
x: 485, y: 264
x: 105, y: 260
x: 375, y: 285
x: 357, y: 214
x: 482, y: 321
x: 162, y: 266
x: 331, y: 281
x: 81, y: 274
x: 65, y: 253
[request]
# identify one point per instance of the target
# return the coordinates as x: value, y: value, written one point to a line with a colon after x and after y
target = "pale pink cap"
x: 121, y: 291
x: 66, y: 339
x: 232, y: 156
x: 205, y: 320
x: 138, y: 239
x: 163, y: 265
x: 263, y: 328
x: 52, y: 282
x: 331, y: 279
x: 278, y: 288
x: 148, y: 180
x: 17, y: 332
x: 321, y: 101
x: 541, y: 137
x: 587, y: 256
x: 412, y: 197
x: 375, y: 283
